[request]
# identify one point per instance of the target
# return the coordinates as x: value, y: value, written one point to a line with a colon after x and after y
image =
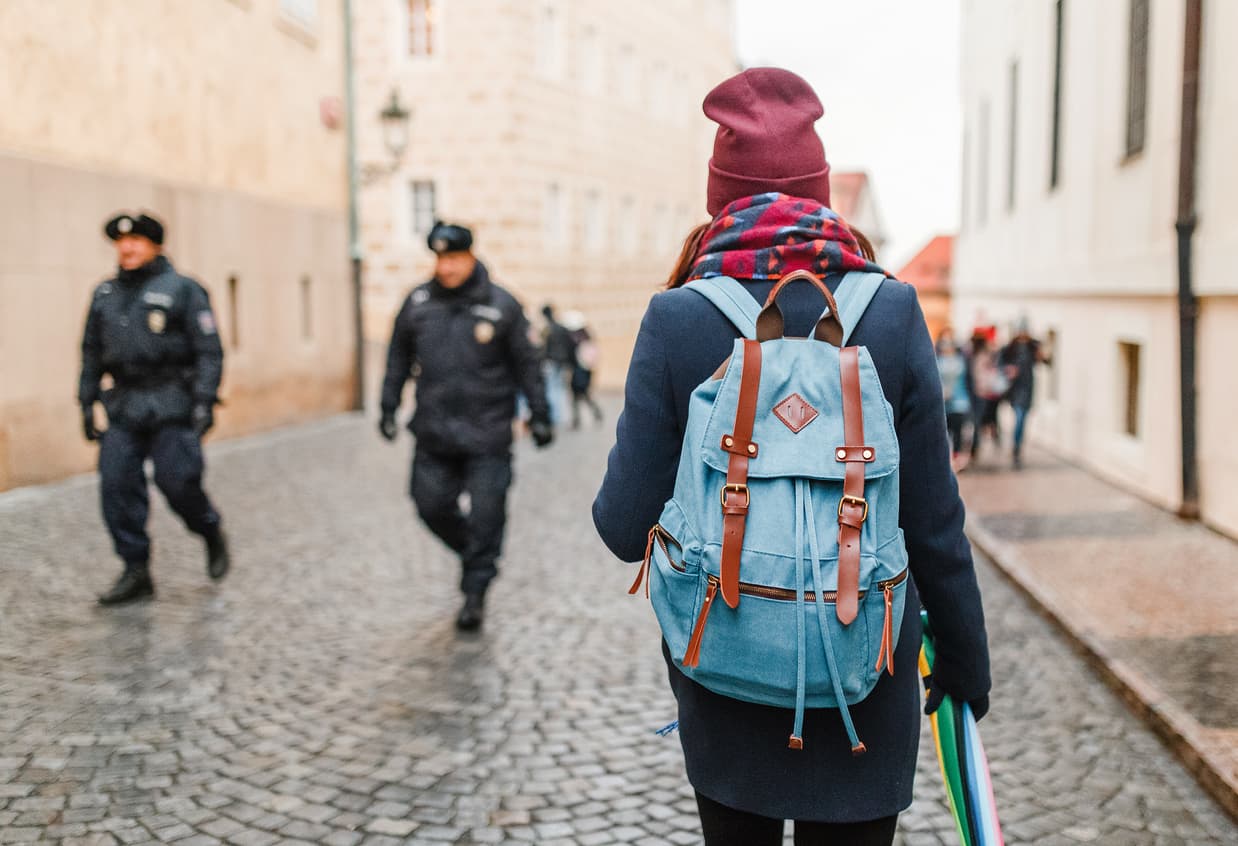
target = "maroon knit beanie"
x: 766, y: 140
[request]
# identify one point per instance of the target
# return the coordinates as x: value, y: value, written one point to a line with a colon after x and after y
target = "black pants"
x: 955, y: 421
x: 725, y: 826
x: 476, y: 536
x: 177, y: 456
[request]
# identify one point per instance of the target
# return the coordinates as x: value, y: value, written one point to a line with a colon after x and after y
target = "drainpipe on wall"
x: 1188, y: 306
x: 354, y: 235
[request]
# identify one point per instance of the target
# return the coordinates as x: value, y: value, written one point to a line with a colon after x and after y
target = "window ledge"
x: 307, y: 34
x: 1131, y: 158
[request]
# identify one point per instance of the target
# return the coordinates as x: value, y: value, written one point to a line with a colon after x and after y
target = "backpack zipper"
x: 785, y: 594
x: 692, y: 655
x: 660, y: 535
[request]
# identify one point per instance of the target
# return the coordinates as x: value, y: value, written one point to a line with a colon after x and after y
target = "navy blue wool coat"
x: 736, y: 752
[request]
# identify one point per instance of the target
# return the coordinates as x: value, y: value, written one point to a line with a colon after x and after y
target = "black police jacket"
x: 470, y: 353
x: 152, y: 330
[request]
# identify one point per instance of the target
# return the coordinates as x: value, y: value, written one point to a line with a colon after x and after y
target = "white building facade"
x: 1071, y: 151
x: 568, y: 135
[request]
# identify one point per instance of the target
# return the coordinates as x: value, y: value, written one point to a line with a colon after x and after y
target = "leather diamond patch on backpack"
x: 795, y: 412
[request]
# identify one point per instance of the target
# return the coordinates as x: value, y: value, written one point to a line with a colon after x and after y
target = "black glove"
x: 936, y: 693
x: 387, y: 427
x: 543, y: 433
x: 88, y: 423
x: 202, y: 419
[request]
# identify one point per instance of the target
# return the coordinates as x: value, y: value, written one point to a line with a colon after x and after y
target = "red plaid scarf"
x: 767, y: 236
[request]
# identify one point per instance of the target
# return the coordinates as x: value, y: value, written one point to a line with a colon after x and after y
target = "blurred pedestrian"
x: 152, y: 331
x: 952, y: 368
x: 558, y: 356
x: 988, y: 387
x: 1018, y: 360
x: 768, y: 193
x: 467, y: 339
x: 584, y: 361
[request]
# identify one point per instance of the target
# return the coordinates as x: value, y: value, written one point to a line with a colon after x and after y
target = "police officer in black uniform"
x: 152, y: 331
x: 466, y: 342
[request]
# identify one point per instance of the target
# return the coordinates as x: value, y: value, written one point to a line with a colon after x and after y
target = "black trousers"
x: 725, y: 826
x: 438, y: 481
x: 177, y: 455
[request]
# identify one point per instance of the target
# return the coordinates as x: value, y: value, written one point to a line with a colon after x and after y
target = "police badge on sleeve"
x: 206, y: 323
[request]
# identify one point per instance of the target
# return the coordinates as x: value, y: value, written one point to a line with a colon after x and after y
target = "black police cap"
x: 127, y: 224
x: 448, y: 238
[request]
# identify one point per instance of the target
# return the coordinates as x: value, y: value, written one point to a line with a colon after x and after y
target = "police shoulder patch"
x: 206, y: 322
x: 420, y: 296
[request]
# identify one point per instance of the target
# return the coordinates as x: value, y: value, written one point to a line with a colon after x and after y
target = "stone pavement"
x: 321, y: 695
x: 1151, y: 600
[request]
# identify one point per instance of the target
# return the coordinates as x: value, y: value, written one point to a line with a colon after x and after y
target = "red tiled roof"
x: 929, y: 270
x: 845, y: 190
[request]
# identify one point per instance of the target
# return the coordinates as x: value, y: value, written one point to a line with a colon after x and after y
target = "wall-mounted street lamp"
x: 395, y: 121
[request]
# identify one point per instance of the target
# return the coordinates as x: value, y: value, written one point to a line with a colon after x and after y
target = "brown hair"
x: 866, y: 246
x: 687, y: 256
x: 692, y: 245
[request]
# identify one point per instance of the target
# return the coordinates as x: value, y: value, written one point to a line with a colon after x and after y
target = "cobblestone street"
x: 321, y: 693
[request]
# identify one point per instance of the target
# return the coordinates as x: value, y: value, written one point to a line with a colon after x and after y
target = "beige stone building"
x: 569, y: 135
x: 213, y: 115
x: 1072, y: 114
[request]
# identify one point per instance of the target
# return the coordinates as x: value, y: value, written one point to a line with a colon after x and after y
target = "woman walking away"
x: 584, y: 362
x: 989, y: 385
x: 768, y: 195
x: 952, y: 368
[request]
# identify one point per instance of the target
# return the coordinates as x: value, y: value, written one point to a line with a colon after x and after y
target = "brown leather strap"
x: 735, y: 497
x: 852, y: 508
x: 770, y: 324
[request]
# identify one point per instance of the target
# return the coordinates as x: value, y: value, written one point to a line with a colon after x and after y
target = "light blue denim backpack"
x: 785, y: 509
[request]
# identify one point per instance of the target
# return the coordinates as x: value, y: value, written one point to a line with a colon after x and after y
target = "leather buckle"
x: 853, y: 500
x: 739, y: 489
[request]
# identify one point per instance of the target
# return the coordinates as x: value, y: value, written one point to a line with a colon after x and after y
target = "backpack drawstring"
x: 801, y: 654
x: 823, y: 622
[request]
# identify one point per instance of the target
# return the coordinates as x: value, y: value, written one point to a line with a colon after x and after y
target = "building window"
x: 307, y: 311
x: 421, y: 27
x: 422, y: 199
x: 965, y: 182
x: 627, y: 73
x: 1055, y: 141
x: 1137, y: 78
x: 661, y: 237
x: 627, y: 225
x: 304, y: 12
x: 659, y: 77
x: 553, y: 216
x: 549, y: 42
x: 594, y: 220
x: 982, y: 166
x: 234, y: 311
x: 1128, y: 354
x: 1012, y: 145
x: 592, y: 74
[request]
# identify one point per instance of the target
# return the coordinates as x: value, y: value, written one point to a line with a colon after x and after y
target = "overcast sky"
x: 887, y: 74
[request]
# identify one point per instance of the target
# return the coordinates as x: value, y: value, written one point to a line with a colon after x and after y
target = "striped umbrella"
x: 964, y: 767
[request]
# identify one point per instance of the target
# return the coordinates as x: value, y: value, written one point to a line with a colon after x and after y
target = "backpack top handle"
x: 770, y: 323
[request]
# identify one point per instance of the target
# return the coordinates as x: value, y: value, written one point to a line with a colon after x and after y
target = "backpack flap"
x: 799, y: 420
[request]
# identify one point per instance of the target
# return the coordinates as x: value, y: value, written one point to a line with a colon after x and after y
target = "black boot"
x: 133, y: 584
x: 472, y: 612
x: 217, y: 558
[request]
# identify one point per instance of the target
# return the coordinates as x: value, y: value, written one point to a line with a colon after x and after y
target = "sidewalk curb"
x: 1178, y: 729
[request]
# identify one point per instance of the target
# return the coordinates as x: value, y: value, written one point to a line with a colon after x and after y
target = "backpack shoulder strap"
x: 855, y: 292
x: 732, y: 300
